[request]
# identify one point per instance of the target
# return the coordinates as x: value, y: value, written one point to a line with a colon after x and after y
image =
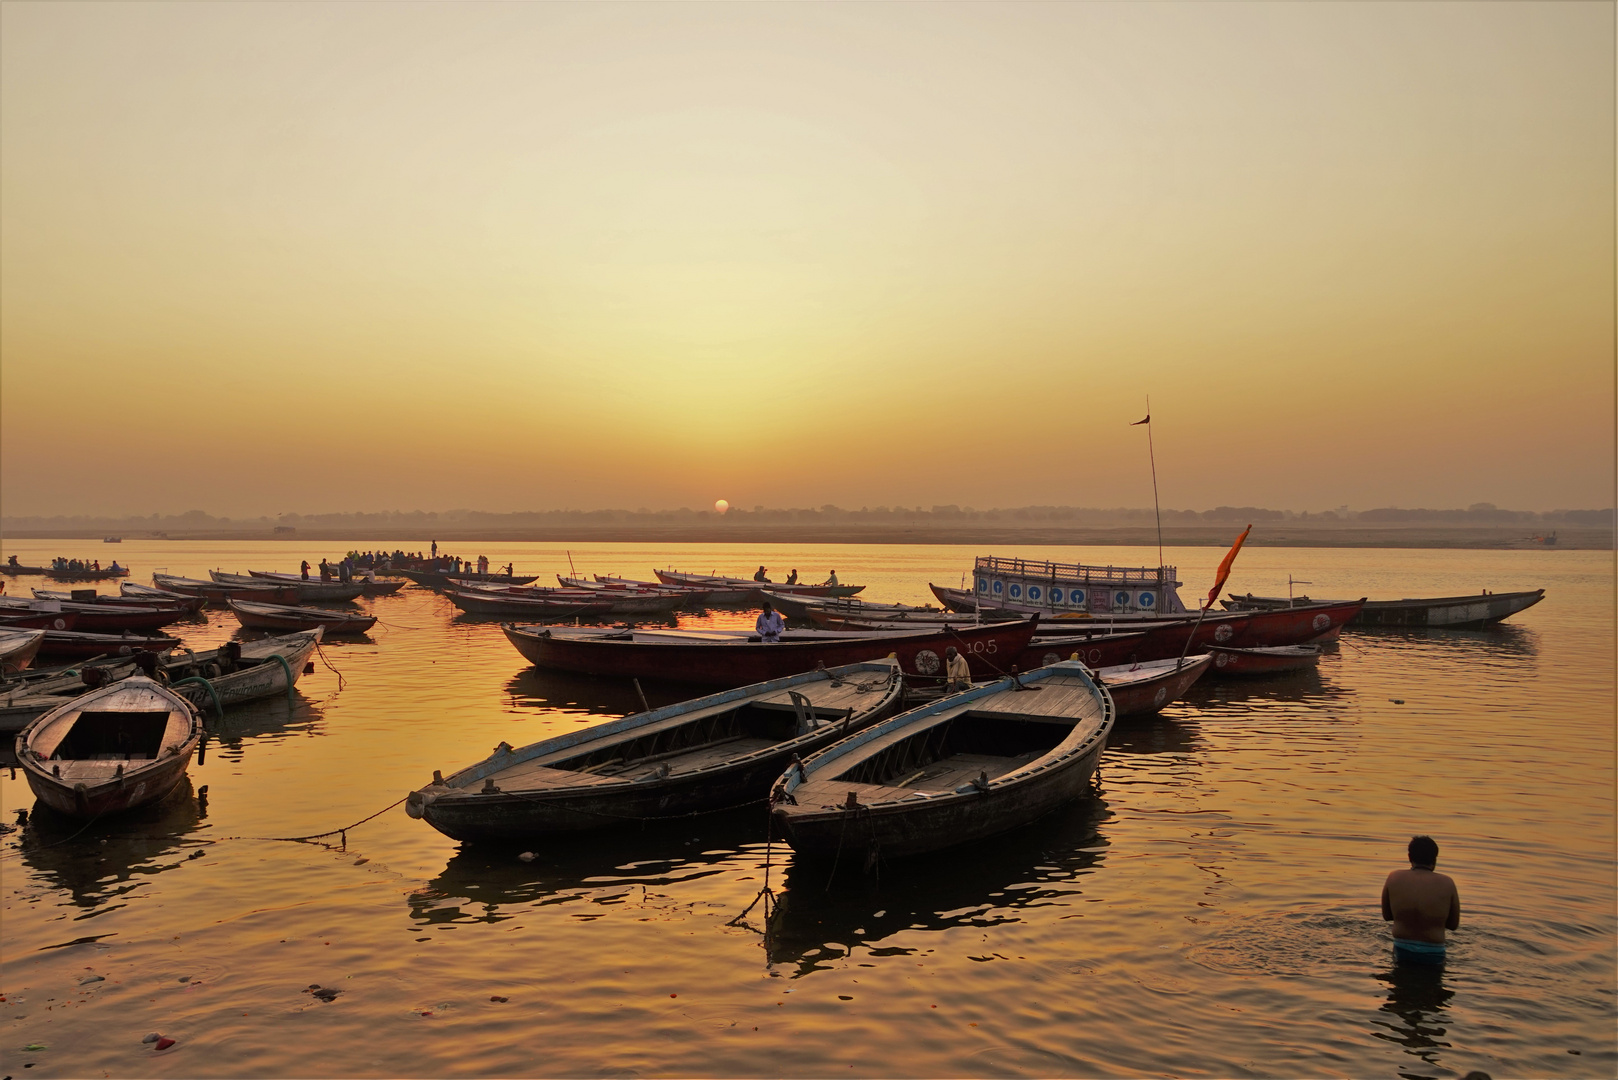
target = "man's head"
x: 767, y: 607
x: 950, y: 652
x: 1423, y: 851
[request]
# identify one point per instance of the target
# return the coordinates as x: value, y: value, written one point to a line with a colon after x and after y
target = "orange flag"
x: 1224, y: 567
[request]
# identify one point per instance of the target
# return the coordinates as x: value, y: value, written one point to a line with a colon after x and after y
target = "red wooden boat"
x: 110, y: 750
x: 1143, y: 689
x: 66, y: 646
x: 39, y: 620
x: 152, y: 598
x: 1273, y: 660
x: 99, y: 618
x: 676, y: 577
x: 730, y: 661
x: 216, y: 594
x: 284, y: 619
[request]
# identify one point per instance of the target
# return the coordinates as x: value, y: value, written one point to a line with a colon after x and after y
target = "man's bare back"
x: 1420, y: 902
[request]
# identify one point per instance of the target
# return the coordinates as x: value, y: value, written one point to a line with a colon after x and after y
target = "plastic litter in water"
x: 164, y: 1044
x: 152, y: 1036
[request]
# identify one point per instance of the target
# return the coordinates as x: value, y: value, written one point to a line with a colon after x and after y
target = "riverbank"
x: 1348, y: 534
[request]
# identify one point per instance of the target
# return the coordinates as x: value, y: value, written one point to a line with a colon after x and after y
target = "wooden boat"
x: 718, y: 660
x: 675, y: 577
x: 697, y: 595
x: 84, y: 573
x: 268, y: 667
x: 799, y: 606
x: 18, y: 648
x: 1143, y: 689
x: 216, y: 594
x: 68, y: 645
x: 38, y: 620
x: 962, y: 768
x: 15, y: 568
x: 710, y: 753
x: 1271, y: 660
x: 1454, y: 612
x: 110, y: 750
x: 181, y: 605
x: 311, y: 591
x: 99, y: 618
x: 279, y: 617
x: 525, y: 603
x: 1051, y: 589
x: 367, y: 586
x: 137, y: 592
x: 438, y: 579
x: 1096, y: 651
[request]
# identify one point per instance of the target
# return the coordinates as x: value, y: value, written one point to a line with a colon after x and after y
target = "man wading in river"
x: 1421, y: 904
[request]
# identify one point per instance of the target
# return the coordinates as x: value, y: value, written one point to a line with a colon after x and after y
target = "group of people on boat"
x: 763, y: 576
x: 62, y: 564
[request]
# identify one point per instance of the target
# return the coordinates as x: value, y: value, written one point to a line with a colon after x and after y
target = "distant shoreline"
x: 1265, y: 534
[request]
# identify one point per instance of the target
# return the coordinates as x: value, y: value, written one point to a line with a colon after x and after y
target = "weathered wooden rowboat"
x: 261, y: 592
x: 277, y: 617
x: 312, y: 591
x: 722, y: 660
x: 367, y: 586
x: 38, y: 620
x: 962, y: 768
x: 711, y: 753
x: 266, y: 668
x: 184, y: 605
x: 98, y: 618
x: 18, y: 648
x: 1272, y: 660
x: 561, y: 603
x: 137, y: 592
x: 85, y: 574
x: 799, y: 606
x: 62, y: 646
x: 675, y: 577
x: 1143, y: 689
x: 698, y: 595
x: 438, y: 579
x: 1454, y: 612
x: 15, y: 569
x: 109, y: 750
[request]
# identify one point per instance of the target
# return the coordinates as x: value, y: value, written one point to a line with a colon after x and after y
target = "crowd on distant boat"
x: 70, y: 566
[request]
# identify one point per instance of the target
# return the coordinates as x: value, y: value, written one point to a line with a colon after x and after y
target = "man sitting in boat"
x: 792, y: 578
x: 115, y: 568
x: 13, y: 561
x: 760, y: 576
x: 957, y: 673
x: 229, y: 657
x: 770, y: 624
x: 831, y: 578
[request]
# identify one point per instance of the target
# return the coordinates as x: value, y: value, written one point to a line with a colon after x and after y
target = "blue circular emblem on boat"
x: 997, y: 587
x: 983, y: 584
x: 1033, y: 592
x: 1015, y: 591
x: 1121, y: 599
x: 1077, y: 596
x: 1056, y: 596
x: 1147, y: 599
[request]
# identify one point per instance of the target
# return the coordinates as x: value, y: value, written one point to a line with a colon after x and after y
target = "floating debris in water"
x: 1397, y: 700
x: 164, y: 1043
x: 528, y: 856
x: 88, y: 979
x: 324, y: 993
x: 152, y: 1036
x: 497, y: 997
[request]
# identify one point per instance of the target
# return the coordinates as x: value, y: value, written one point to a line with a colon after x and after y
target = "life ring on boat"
x: 927, y: 662
x: 1162, y: 696
x: 1224, y: 632
x: 1322, y: 621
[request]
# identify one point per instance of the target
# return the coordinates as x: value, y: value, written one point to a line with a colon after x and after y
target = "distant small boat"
x: 110, y: 750
x: 965, y: 767
x: 700, y: 755
x: 113, y: 540
x: 125, y: 598
x: 1273, y: 660
x: 18, y: 648
x: 1453, y: 612
x: 278, y: 617
x: 438, y: 579
x: 212, y: 592
x: 15, y: 568
x: 1144, y: 689
x: 84, y: 573
x: 367, y: 587
x: 676, y: 577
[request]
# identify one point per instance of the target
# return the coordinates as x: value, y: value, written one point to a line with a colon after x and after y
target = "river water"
x: 1213, y: 913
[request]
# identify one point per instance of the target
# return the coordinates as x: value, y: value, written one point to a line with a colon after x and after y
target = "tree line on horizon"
x: 198, y: 520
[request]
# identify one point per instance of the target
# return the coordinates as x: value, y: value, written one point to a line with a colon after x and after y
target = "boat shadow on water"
x: 105, y: 862
x: 489, y: 883
x: 562, y: 691
x: 271, y: 718
x: 824, y: 913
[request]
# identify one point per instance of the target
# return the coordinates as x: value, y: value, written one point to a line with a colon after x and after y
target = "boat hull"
x: 18, y: 648
x: 742, y: 663
x: 1260, y: 662
x: 261, y: 617
x: 65, y: 646
x: 1145, y: 696
x: 1452, y: 612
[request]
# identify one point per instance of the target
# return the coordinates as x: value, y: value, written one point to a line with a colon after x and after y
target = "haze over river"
x: 1213, y: 913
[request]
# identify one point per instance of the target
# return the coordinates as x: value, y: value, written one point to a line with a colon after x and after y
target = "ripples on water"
x: 1212, y: 913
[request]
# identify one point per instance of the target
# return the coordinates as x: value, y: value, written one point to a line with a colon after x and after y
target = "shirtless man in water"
x: 1421, y: 904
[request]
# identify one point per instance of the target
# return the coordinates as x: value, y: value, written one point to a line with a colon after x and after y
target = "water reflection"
x: 1415, y: 1013
x: 1156, y: 734
x: 1502, y: 641
x: 560, y: 691
x: 825, y: 913
x: 1308, y: 688
x: 487, y: 884
x: 272, y: 718
x: 105, y: 862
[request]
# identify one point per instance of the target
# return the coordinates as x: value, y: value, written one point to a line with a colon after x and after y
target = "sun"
x: 721, y: 506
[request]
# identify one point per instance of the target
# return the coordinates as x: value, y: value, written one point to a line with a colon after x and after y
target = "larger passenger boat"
x: 1054, y: 589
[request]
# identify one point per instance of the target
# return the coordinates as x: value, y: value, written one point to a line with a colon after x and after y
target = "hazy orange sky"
x: 267, y: 258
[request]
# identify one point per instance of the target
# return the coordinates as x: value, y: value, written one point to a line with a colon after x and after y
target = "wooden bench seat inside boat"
x: 938, y: 778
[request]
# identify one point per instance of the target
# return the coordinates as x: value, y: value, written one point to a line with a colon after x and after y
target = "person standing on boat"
x: 435, y: 549
x: 483, y: 565
x: 761, y: 575
x: 957, y: 673
x: 770, y: 624
x: 304, y: 569
x: 1421, y: 904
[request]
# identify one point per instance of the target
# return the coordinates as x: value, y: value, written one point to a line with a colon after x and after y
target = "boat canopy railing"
x: 1143, y: 575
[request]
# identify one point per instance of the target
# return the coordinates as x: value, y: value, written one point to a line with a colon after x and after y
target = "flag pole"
x: 1156, y: 506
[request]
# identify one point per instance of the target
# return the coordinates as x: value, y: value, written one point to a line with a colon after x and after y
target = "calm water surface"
x: 1213, y: 913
